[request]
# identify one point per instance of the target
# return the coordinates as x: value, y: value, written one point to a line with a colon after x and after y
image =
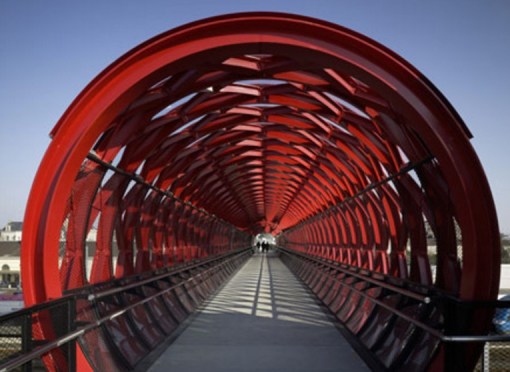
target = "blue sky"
x: 50, y: 50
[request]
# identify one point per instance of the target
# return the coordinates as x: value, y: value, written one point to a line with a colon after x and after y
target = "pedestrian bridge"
x: 183, y: 150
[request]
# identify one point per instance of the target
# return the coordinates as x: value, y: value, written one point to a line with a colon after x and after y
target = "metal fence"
x: 46, y: 334
x: 402, y: 326
x: 20, y: 335
x: 23, y: 345
x: 495, y: 357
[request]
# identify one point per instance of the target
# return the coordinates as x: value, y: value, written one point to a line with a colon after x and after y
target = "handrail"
x: 92, y: 156
x: 425, y: 299
x: 81, y: 294
x: 391, y: 287
x: 404, y: 170
x: 109, y: 292
x: 75, y: 334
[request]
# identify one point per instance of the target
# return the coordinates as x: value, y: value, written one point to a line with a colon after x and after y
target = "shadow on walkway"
x: 262, y: 320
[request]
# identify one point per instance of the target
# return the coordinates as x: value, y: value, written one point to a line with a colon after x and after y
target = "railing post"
x: 26, y: 339
x: 486, y: 357
x: 71, y: 323
x: 455, y: 314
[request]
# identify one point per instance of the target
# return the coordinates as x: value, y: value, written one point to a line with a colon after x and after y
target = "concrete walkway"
x: 262, y: 320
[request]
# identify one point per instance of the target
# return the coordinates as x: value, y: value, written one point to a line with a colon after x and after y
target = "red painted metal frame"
x: 212, y: 132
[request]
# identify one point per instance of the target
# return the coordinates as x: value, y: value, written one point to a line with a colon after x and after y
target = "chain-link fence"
x: 495, y: 357
x: 20, y: 333
x: 11, y: 337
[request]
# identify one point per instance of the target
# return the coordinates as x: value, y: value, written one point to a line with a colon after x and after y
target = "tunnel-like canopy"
x: 209, y: 134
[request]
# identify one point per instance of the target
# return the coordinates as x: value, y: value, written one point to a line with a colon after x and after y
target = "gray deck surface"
x: 262, y: 320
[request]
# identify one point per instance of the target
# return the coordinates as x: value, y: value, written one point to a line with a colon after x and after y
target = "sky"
x: 50, y: 50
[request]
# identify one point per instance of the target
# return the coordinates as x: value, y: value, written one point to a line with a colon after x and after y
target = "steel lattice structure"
x: 208, y: 134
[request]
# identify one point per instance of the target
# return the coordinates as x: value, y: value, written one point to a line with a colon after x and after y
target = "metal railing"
x: 448, y: 329
x: 19, y: 343
x: 23, y: 345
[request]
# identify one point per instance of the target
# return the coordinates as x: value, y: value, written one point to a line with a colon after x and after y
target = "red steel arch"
x: 212, y: 132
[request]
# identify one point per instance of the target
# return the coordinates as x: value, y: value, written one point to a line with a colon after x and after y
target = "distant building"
x: 10, y: 247
x: 11, y: 232
x: 10, y: 244
x: 11, y: 298
x: 9, y: 264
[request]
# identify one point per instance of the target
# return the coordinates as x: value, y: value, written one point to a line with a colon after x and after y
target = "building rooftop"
x: 10, y: 248
x: 13, y: 226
